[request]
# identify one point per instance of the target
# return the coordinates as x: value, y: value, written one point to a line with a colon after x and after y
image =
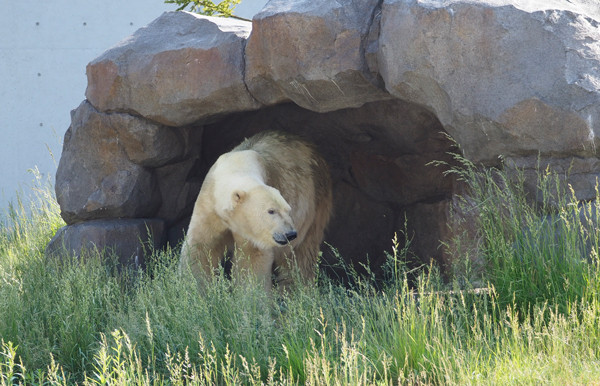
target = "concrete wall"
x: 44, y: 48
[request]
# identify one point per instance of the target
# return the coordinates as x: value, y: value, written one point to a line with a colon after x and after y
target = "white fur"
x: 237, y: 171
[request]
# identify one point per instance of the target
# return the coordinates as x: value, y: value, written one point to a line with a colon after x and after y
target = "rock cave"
x: 379, y: 86
x: 378, y: 156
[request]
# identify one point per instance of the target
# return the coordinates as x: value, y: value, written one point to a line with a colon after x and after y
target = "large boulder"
x: 180, y: 69
x: 96, y: 178
x: 312, y: 53
x: 503, y: 77
x: 131, y: 240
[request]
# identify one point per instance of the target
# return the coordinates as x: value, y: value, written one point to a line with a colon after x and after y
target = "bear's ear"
x: 237, y: 197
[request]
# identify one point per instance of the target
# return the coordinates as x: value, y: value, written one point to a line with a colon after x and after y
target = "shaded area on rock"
x: 132, y: 240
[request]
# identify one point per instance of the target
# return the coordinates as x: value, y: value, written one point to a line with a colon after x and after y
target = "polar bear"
x: 267, y: 203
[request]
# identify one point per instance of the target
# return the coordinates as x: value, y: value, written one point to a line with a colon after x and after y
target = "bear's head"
x: 262, y: 216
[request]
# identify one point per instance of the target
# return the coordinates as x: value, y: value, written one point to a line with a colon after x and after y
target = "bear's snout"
x: 285, y: 238
x: 291, y: 235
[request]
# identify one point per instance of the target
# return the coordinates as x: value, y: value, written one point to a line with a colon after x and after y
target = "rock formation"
x: 376, y: 85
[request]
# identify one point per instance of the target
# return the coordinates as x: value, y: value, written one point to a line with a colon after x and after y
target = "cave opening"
x: 379, y: 157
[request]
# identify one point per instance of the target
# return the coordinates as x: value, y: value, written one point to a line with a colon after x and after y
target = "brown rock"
x: 129, y: 239
x: 507, y: 78
x: 404, y: 179
x: 95, y: 178
x: 312, y: 53
x: 373, y: 84
x: 359, y: 232
x: 179, y: 185
x: 582, y: 174
x: 146, y: 143
x: 180, y: 69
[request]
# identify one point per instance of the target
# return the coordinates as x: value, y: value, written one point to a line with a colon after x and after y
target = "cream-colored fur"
x: 268, y: 186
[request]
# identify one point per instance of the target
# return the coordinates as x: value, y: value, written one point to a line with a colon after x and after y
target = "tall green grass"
x: 536, y: 246
x: 65, y: 321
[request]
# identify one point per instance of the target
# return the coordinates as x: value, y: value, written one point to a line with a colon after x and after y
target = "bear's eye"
x: 271, y: 211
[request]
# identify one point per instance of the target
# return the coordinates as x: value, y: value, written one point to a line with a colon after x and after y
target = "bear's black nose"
x: 291, y: 235
x: 284, y: 238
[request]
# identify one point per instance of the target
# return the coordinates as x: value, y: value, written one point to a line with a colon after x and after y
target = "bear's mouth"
x: 284, y: 238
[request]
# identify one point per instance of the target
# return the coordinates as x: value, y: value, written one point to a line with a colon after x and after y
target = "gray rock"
x: 132, y: 240
x: 582, y: 174
x: 179, y: 187
x: 95, y: 178
x: 503, y: 77
x: 359, y: 231
x: 312, y: 53
x: 426, y: 226
x: 180, y: 69
x: 404, y: 179
x: 146, y: 143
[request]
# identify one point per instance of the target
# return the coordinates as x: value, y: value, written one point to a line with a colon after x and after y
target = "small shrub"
x: 207, y: 7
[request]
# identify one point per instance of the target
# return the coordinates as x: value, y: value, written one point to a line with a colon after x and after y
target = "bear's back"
x: 294, y: 167
x: 288, y: 161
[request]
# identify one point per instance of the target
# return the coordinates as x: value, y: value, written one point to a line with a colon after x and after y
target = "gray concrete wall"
x: 44, y: 48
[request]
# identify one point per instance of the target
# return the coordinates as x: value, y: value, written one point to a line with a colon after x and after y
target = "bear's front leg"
x: 203, y: 257
x: 205, y: 245
x: 250, y: 261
